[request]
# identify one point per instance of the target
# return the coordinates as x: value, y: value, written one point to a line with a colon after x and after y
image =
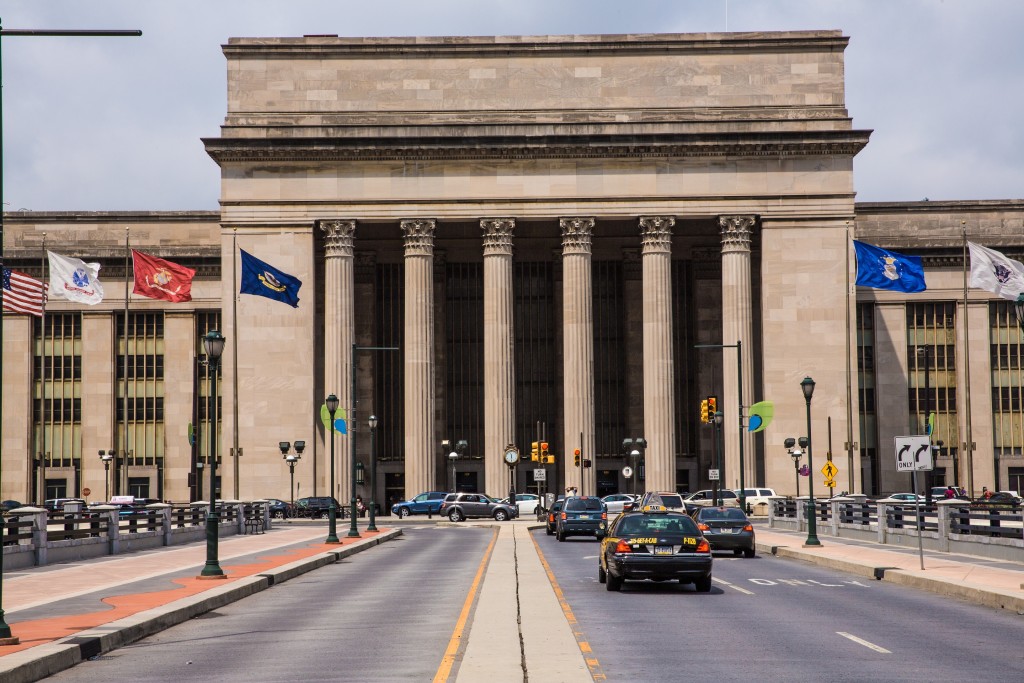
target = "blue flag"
x: 263, y: 279
x: 882, y: 269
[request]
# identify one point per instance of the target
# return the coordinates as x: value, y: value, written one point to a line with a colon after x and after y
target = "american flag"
x: 23, y: 294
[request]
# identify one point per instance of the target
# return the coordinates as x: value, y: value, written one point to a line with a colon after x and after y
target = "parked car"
x: 581, y: 516
x: 8, y: 505
x: 615, y: 502
x: 726, y: 529
x: 1006, y: 498
x: 460, y: 506
x: 707, y: 497
x: 907, y: 497
x: 421, y: 504
x: 317, y: 507
x: 552, y: 518
x: 759, y: 499
x: 54, y: 505
x: 526, y: 502
x: 279, y: 509
x: 668, y: 500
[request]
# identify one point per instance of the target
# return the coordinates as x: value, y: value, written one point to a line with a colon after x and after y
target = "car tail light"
x: 563, y: 516
x: 623, y: 547
x: 703, y: 546
x: 702, y: 526
x: 749, y: 527
x: 551, y: 517
x: 604, y: 515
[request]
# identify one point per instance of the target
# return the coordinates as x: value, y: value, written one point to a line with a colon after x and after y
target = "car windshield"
x: 722, y: 513
x: 633, y: 525
x: 672, y: 501
x: 583, y: 504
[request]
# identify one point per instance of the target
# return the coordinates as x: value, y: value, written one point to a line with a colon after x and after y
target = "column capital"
x: 419, y: 236
x: 498, y: 235
x: 736, y: 231
x: 339, y: 236
x: 656, y: 233
x: 577, y: 232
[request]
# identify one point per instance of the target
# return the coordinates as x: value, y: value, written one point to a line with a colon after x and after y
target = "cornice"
x: 837, y: 143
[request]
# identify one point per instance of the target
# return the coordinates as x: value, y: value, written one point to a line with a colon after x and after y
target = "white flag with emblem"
x: 996, y: 273
x: 74, y: 279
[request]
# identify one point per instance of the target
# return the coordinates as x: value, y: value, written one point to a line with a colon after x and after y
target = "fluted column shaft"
x: 659, y: 367
x: 499, y: 346
x: 578, y: 349
x: 737, y: 325
x: 419, y: 355
x: 339, y: 333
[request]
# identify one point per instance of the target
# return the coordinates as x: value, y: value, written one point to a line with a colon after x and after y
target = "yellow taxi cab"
x: 654, y: 544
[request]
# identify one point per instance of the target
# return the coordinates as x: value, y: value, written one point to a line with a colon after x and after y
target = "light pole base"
x: 211, y: 577
x: 812, y: 543
x: 13, y: 640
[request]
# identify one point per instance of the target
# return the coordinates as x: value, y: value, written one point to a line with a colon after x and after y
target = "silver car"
x: 614, y: 502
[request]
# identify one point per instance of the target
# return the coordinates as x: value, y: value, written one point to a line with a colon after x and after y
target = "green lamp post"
x: 332, y: 511
x: 807, y: 385
x: 213, y: 342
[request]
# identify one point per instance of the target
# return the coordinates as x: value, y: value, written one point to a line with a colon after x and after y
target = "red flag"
x: 23, y: 294
x: 159, y: 279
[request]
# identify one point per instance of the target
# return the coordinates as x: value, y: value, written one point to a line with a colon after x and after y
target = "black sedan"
x: 654, y: 544
x: 553, y: 515
x: 726, y: 529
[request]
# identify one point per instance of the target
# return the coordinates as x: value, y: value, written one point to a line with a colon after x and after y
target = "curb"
x: 979, y: 595
x: 39, y: 662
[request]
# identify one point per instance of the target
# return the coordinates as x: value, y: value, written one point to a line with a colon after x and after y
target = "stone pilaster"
x: 737, y: 326
x: 499, y: 358
x: 419, y: 354
x: 578, y: 348
x: 659, y: 367
x: 339, y: 335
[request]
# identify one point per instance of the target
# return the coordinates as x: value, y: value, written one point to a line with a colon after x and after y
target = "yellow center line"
x: 452, y: 650
x: 592, y: 664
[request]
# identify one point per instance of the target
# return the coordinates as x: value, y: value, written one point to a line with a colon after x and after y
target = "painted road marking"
x: 726, y: 583
x: 865, y: 643
x: 448, y: 660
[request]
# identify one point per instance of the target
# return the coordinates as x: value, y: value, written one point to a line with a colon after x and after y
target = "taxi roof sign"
x: 654, y: 508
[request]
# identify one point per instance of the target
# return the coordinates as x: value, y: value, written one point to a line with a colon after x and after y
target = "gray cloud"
x: 115, y: 123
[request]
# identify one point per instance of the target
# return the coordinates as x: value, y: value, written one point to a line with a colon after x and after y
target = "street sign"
x: 713, y: 475
x: 540, y: 474
x: 830, y: 483
x: 913, y: 453
x: 829, y: 470
x: 627, y: 471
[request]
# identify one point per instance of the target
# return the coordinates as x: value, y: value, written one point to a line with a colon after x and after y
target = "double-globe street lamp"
x: 332, y: 512
x: 807, y: 386
x: 634, y: 447
x: 796, y: 452
x: 718, y: 418
x: 291, y: 459
x: 213, y: 343
x: 106, y: 457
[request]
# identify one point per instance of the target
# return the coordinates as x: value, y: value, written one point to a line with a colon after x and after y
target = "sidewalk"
x: 66, y: 613
x: 981, y: 580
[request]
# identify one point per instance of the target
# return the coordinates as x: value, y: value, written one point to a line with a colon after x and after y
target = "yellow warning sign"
x: 830, y: 483
x: 829, y: 470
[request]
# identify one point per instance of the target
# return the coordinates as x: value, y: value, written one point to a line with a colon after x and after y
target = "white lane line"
x: 865, y: 643
x: 726, y: 583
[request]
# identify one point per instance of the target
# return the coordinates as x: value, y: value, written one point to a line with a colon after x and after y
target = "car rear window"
x: 672, y: 501
x: 656, y: 524
x: 722, y: 513
x: 583, y: 504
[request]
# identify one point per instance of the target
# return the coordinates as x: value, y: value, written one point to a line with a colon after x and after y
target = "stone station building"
x: 554, y: 232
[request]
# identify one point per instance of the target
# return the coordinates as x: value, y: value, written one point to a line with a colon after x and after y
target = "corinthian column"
x: 419, y: 355
x: 339, y: 332
x: 659, y: 394
x: 499, y: 343
x: 578, y: 348
x: 737, y: 326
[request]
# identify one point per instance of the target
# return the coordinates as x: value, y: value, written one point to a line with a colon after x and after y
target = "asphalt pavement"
x: 65, y: 613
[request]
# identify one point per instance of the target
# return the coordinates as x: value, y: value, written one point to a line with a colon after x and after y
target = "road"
x: 388, y: 614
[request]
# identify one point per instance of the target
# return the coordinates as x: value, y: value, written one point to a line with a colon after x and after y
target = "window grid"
x: 537, y: 372
x: 931, y: 359
x: 1007, y: 361
x: 682, y: 349
x: 389, y: 375
x: 205, y: 322
x: 866, y: 393
x: 143, y: 349
x: 57, y: 389
x: 464, y: 330
x: 609, y: 358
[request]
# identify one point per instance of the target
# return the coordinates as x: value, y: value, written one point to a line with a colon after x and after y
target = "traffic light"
x: 549, y: 459
x: 704, y: 411
x: 544, y: 450
x: 712, y: 407
x: 587, y: 462
x: 576, y: 457
x: 535, y: 451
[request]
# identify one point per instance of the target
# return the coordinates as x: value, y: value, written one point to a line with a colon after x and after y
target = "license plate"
x: 584, y: 516
x: 662, y: 550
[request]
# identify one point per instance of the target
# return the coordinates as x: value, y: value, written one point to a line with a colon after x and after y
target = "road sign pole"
x: 917, y: 502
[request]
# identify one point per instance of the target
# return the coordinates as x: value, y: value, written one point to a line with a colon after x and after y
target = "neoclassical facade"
x: 568, y: 239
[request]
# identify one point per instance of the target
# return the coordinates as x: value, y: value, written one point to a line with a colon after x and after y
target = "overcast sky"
x: 111, y: 124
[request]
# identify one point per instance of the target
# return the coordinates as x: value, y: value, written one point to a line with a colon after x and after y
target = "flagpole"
x: 849, y: 376
x: 124, y: 398
x: 42, y: 393
x: 234, y: 353
x: 968, y: 444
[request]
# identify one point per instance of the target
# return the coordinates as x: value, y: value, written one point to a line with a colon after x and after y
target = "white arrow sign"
x: 913, y: 454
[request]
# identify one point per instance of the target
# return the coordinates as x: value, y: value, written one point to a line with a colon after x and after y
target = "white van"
x: 759, y: 499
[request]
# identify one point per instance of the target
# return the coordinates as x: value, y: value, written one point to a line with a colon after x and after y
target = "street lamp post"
x: 291, y: 459
x: 452, y: 457
x: 807, y: 386
x: 106, y: 457
x: 796, y: 454
x: 372, y: 526
x: 634, y: 447
x: 719, y: 447
x: 213, y: 342
x: 332, y: 512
